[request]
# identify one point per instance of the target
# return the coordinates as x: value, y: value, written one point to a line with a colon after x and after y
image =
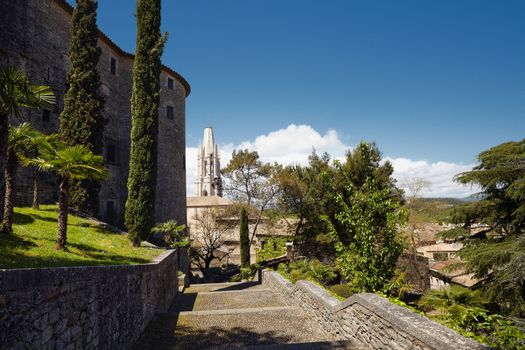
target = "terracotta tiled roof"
x: 102, y: 36
x: 458, y: 275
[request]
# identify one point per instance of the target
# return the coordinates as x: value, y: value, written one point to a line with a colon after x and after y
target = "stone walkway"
x: 233, y: 316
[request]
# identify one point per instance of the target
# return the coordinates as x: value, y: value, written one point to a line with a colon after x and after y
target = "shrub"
x: 274, y: 247
x: 172, y: 234
x: 312, y: 270
x: 494, y: 330
x: 247, y: 273
x: 343, y: 290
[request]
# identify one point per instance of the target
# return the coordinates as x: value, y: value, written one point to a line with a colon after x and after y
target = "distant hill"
x: 427, y: 216
x: 430, y: 210
x: 473, y: 197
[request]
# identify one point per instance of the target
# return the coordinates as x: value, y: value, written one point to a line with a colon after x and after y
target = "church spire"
x: 209, y: 181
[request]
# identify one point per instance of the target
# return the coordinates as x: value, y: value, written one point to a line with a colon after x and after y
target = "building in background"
x: 209, y: 181
x: 208, y: 203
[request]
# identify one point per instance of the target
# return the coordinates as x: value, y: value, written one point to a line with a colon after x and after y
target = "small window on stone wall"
x: 169, y: 112
x: 183, y: 162
x: 46, y: 116
x: 111, y: 152
x: 113, y: 66
x: 170, y: 83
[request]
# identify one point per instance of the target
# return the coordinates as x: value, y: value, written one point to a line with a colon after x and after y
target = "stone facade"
x: 206, y: 205
x: 80, y: 308
x: 368, y: 318
x: 209, y: 181
x: 35, y: 36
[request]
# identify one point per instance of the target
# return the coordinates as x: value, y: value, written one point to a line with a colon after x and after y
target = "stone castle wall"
x: 80, y: 308
x: 34, y: 36
x: 368, y: 318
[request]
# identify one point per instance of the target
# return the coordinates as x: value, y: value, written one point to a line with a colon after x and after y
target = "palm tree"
x: 17, y: 92
x: 69, y: 163
x: 22, y: 141
x: 452, y: 297
x: 37, y: 144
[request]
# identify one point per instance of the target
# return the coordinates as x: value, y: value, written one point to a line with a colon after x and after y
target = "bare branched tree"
x: 414, y: 186
x: 209, y: 231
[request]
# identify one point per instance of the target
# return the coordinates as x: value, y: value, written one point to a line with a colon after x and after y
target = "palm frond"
x: 16, y: 92
x: 39, y: 96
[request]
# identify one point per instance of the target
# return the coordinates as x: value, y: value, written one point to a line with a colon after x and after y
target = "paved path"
x: 235, y: 316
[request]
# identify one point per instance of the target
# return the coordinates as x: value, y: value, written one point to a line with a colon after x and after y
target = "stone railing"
x: 97, y: 307
x: 368, y: 318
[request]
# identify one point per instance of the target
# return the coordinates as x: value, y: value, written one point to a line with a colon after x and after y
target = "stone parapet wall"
x: 98, y: 307
x: 368, y: 318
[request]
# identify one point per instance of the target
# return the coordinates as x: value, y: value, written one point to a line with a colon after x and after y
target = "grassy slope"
x: 33, y: 243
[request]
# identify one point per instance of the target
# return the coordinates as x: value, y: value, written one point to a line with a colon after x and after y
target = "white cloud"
x: 439, y: 176
x: 293, y: 145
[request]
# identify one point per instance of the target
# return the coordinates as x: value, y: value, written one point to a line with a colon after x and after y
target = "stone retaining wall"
x: 368, y: 318
x: 98, y: 307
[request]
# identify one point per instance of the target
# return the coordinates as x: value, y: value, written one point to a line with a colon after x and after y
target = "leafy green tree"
x: 305, y: 194
x: 69, y: 163
x: 244, y: 239
x: 81, y: 121
x: 252, y: 183
x: 364, y: 162
x: 495, y: 250
x: 365, y: 233
x: 16, y: 92
x: 23, y: 140
x: 145, y: 99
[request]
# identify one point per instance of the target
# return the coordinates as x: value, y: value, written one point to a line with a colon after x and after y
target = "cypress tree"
x: 81, y: 121
x: 245, y: 239
x: 145, y: 100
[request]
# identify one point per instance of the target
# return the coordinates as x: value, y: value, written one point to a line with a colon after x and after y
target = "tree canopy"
x: 81, y: 121
x: 145, y: 100
x: 493, y: 227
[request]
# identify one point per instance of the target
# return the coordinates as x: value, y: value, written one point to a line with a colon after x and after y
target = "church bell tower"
x: 209, y: 181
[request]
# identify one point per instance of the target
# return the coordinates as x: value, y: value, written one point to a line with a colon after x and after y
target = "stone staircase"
x: 235, y: 316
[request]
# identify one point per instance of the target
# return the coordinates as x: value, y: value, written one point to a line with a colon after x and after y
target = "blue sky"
x: 434, y: 81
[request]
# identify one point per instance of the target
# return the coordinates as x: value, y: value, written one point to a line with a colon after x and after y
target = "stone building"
x: 35, y: 36
x: 209, y: 202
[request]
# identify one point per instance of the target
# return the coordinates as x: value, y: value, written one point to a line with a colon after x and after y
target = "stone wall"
x: 368, y: 318
x: 35, y: 37
x: 100, y: 307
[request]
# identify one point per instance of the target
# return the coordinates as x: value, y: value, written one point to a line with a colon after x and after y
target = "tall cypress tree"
x: 145, y: 100
x: 81, y: 121
x: 245, y: 239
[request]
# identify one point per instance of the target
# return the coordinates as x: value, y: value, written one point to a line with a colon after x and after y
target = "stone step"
x: 220, y: 287
x: 250, y: 298
x: 322, y: 345
x: 235, y: 329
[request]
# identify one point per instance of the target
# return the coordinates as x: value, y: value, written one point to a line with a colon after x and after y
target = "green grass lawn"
x: 33, y: 243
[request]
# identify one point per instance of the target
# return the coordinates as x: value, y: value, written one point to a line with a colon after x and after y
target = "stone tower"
x: 209, y: 181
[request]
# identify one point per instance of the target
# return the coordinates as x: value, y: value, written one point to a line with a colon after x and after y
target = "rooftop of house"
x: 440, y: 247
x: 453, y: 271
x: 207, y: 201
